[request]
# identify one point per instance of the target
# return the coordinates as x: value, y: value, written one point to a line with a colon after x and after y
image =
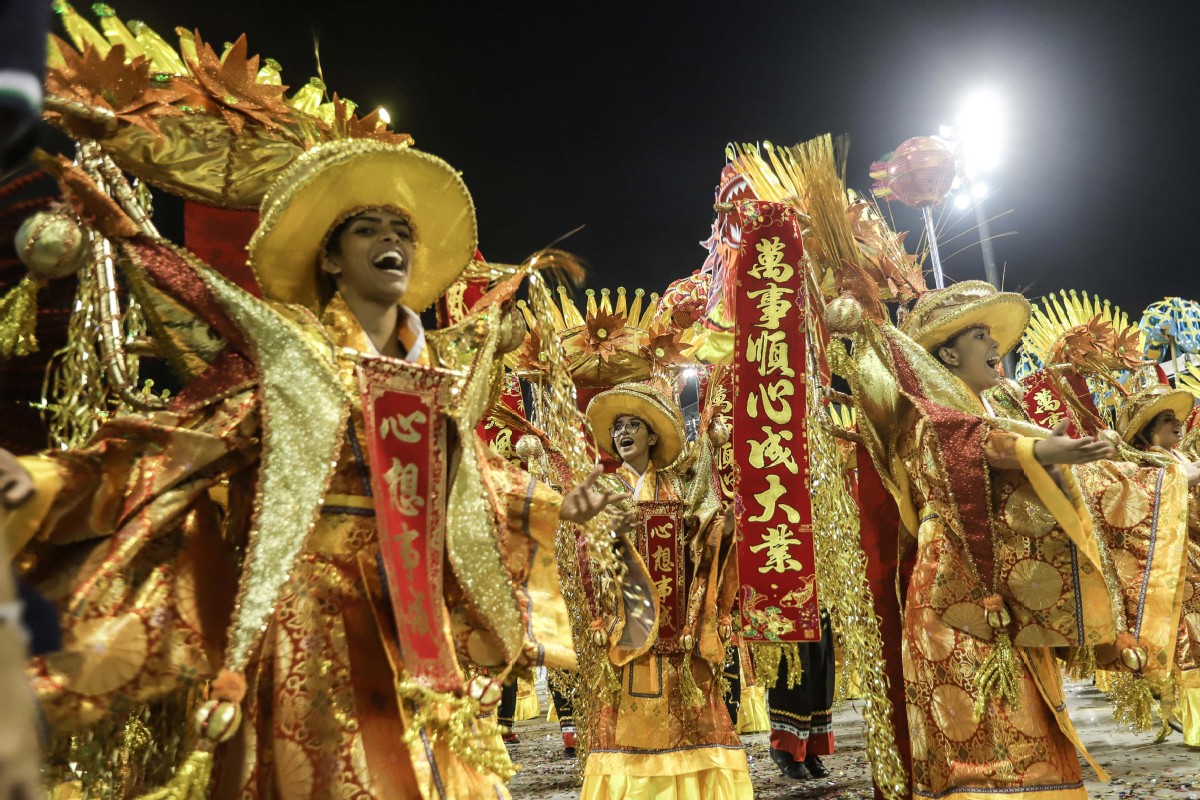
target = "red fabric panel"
x: 878, y: 528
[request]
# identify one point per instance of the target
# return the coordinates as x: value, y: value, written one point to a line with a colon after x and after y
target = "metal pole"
x: 985, y: 244
x: 939, y: 280
x: 989, y: 271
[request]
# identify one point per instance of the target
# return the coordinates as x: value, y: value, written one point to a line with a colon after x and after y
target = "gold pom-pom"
x: 529, y: 448
x: 844, y: 315
x: 1110, y: 436
x: 51, y: 244
x: 18, y: 320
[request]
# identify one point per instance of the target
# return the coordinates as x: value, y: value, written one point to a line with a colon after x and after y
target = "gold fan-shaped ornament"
x: 1082, y: 331
x: 611, y: 340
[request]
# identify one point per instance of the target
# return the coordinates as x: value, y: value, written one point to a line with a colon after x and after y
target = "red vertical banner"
x: 406, y: 443
x: 1046, y: 404
x: 663, y: 547
x: 770, y: 448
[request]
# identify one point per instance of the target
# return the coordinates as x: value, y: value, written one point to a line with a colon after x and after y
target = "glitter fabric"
x: 304, y: 408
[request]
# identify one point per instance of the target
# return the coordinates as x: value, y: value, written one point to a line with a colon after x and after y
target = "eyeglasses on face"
x: 633, y: 426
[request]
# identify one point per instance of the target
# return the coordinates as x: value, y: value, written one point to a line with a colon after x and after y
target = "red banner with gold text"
x: 406, y: 440
x: 774, y: 509
x: 663, y: 547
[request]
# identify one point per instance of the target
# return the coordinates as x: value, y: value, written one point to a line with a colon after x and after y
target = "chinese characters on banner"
x: 1044, y: 399
x: 662, y: 545
x: 406, y: 442
x: 775, y: 553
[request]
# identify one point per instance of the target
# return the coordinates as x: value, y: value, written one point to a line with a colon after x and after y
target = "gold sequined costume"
x: 667, y: 733
x: 156, y: 533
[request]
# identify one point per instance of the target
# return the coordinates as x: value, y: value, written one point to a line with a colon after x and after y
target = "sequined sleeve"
x: 140, y: 558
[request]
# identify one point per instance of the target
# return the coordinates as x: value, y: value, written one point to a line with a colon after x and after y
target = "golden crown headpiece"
x: 1082, y: 331
x: 617, y: 339
x: 216, y: 128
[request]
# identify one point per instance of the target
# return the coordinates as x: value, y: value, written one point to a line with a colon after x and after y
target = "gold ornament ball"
x: 1110, y: 436
x: 999, y: 619
x: 1134, y: 658
x: 725, y: 631
x: 486, y: 690
x: 529, y: 447
x: 217, y: 720
x: 719, y: 432
x: 687, y: 642
x: 844, y: 315
x: 51, y: 244
x: 599, y: 638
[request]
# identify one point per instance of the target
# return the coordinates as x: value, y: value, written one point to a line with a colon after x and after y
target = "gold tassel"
x: 688, y: 688
x: 18, y: 320
x: 997, y: 675
x: 1133, y: 701
x: 458, y: 728
x: 766, y: 662
x: 1081, y: 663
x: 1167, y: 697
x: 191, y: 779
x: 795, y: 668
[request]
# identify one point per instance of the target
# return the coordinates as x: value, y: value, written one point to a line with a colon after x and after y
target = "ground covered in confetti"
x: 1139, y: 768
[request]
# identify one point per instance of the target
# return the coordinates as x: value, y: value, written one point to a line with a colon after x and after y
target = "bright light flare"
x: 384, y: 116
x: 981, y: 129
x: 979, y: 190
x: 689, y: 374
x: 962, y: 201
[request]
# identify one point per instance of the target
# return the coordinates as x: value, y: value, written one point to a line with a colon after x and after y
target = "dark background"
x: 615, y: 116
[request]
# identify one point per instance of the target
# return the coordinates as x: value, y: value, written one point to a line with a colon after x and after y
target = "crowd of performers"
x: 383, y: 492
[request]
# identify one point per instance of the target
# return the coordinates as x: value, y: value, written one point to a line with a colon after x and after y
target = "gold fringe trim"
x: 1081, y: 663
x: 998, y: 675
x: 191, y: 779
x: 688, y: 688
x: 769, y: 657
x: 18, y: 320
x: 1133, y: 700
x: 457, y: 727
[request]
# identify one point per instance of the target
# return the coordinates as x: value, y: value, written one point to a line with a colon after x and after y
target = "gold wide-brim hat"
x: 1137, y: 410
x: 646, y: 403
x: 942, y: 313
x: 332, y: 182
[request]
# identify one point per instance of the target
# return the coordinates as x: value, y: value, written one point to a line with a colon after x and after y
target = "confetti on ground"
x: 1140, y: 769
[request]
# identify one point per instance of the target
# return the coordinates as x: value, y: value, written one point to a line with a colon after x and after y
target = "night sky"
x: 615, y: 116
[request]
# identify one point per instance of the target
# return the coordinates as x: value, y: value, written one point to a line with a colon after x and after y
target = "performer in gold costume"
x: 162, y: 536
x: 1153, y: 420
x: 1005, y: 564
x: 668, y: 733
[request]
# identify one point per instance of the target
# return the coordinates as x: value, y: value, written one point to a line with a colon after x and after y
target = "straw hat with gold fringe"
x: 332, y: 182
x: 1137, y: 410
x: 647, y: 403
x: 942, y: 313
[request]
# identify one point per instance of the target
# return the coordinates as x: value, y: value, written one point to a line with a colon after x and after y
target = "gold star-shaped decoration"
x: 232, y: 85
x: 109, y: 81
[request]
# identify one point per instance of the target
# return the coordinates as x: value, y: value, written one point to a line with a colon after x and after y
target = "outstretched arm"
x: 584, y: 501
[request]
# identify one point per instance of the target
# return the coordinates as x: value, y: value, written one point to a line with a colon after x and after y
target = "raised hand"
x: 1059, y: 448
x: 583, y: 502
x: 16, y: 486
